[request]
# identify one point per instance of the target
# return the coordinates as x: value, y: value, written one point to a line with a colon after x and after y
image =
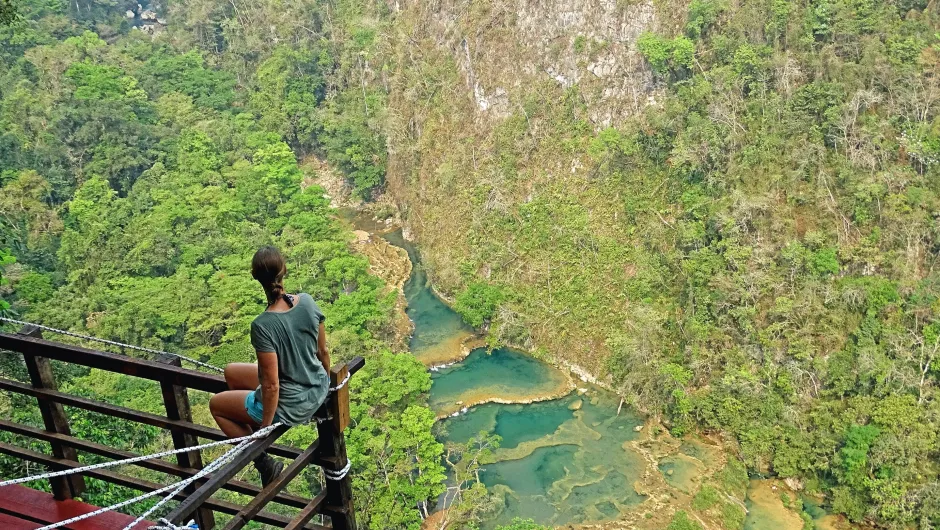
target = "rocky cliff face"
x: 493, y: 106
x: 503, y: 49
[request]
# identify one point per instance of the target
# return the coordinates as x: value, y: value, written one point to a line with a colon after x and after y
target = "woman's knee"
x: 215, y: 404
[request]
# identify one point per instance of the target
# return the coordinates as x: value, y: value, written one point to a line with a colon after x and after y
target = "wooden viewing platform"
x: 22, y: 507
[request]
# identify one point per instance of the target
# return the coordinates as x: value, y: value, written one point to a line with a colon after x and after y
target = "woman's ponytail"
x: 269, y: 268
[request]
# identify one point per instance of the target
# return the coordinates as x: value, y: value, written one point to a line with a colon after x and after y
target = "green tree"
x: 478, y: 303
x: 467, y: 498
x: 8, y: 12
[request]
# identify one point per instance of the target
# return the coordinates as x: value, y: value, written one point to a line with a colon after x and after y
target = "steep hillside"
x: 494, y: 107
x: 726, y: 209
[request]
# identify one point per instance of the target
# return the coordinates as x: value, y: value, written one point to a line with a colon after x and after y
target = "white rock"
x: 638, y: 428
x: 130, y: 14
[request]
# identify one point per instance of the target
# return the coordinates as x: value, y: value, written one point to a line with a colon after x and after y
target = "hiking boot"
x: 268, y: 468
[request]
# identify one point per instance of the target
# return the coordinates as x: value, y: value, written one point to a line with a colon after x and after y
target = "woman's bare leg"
x: 228, y: 409
x: 242, y: 376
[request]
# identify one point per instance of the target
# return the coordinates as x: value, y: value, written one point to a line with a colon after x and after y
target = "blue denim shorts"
x: 253, y: 407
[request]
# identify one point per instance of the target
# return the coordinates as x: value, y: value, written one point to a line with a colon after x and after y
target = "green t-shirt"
x: 292, y: 335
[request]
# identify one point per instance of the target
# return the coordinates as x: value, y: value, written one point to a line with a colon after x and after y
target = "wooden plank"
x: 41, y: 508
x: 9, y: 522
x: 132, y: 415
x: 53, y: 417
x: 176, y: 402
x: 141, y: 485
x: 269, y: 493
x: 237, y: 486
x: 185, y: 508
x: 20, y: 516
x: 307, y: 513
x: 113, y: 362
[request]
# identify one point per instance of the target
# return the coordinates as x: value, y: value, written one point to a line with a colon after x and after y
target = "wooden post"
x: 339, y: 405
x: 176, y: 400
x: 54, y: 419
x: 333, y: 446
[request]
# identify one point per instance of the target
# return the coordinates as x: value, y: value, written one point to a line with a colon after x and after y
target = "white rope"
x: 176, y: 487
x: 110, y: 508
x: 341, y: 383
x: 167, y: 525
x: 338, y: 474
x: 136, y: 459
x: 180, y: 486
x: 112, y: 343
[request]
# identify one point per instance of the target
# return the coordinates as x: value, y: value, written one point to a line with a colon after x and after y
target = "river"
x: 566, y: 455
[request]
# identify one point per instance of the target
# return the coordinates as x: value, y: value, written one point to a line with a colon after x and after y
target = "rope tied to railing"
x: 112, y: 343
x: 228, y: 456
x: 342, y: 383
x: 136, y: 459
x: 168, y: 525
x: 216, y: 464
x: 339, y: 474
x: 175, y: 487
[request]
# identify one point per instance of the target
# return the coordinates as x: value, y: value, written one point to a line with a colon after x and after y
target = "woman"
x: 291, y: 379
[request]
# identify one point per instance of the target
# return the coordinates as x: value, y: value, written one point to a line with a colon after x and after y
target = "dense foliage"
x: 801, y: 197
x: 139, y: 173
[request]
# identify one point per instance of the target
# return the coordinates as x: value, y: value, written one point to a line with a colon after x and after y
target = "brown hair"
x: 269, y: 268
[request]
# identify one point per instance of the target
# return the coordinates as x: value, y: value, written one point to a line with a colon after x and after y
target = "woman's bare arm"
x: 322, y: 353
x: 270, y: 388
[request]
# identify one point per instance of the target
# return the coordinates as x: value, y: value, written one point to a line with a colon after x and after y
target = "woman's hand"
x: 270, y: 389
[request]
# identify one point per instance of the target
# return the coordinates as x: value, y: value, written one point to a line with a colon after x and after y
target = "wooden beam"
x: 132, y: 415
x: 279, y: 521
x: 194, y: 500
x: 302, y: 518
x: 176, y: 402
x: 113, y: 362
x: 270, y: 492
x: 355, y: 364
x: 237, y: 486
x: 53, y: 417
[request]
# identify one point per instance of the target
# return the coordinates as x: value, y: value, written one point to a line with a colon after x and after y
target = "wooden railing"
x: 328, y: 451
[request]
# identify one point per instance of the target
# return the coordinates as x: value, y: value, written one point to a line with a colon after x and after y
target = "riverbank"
x: 567, y: 458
